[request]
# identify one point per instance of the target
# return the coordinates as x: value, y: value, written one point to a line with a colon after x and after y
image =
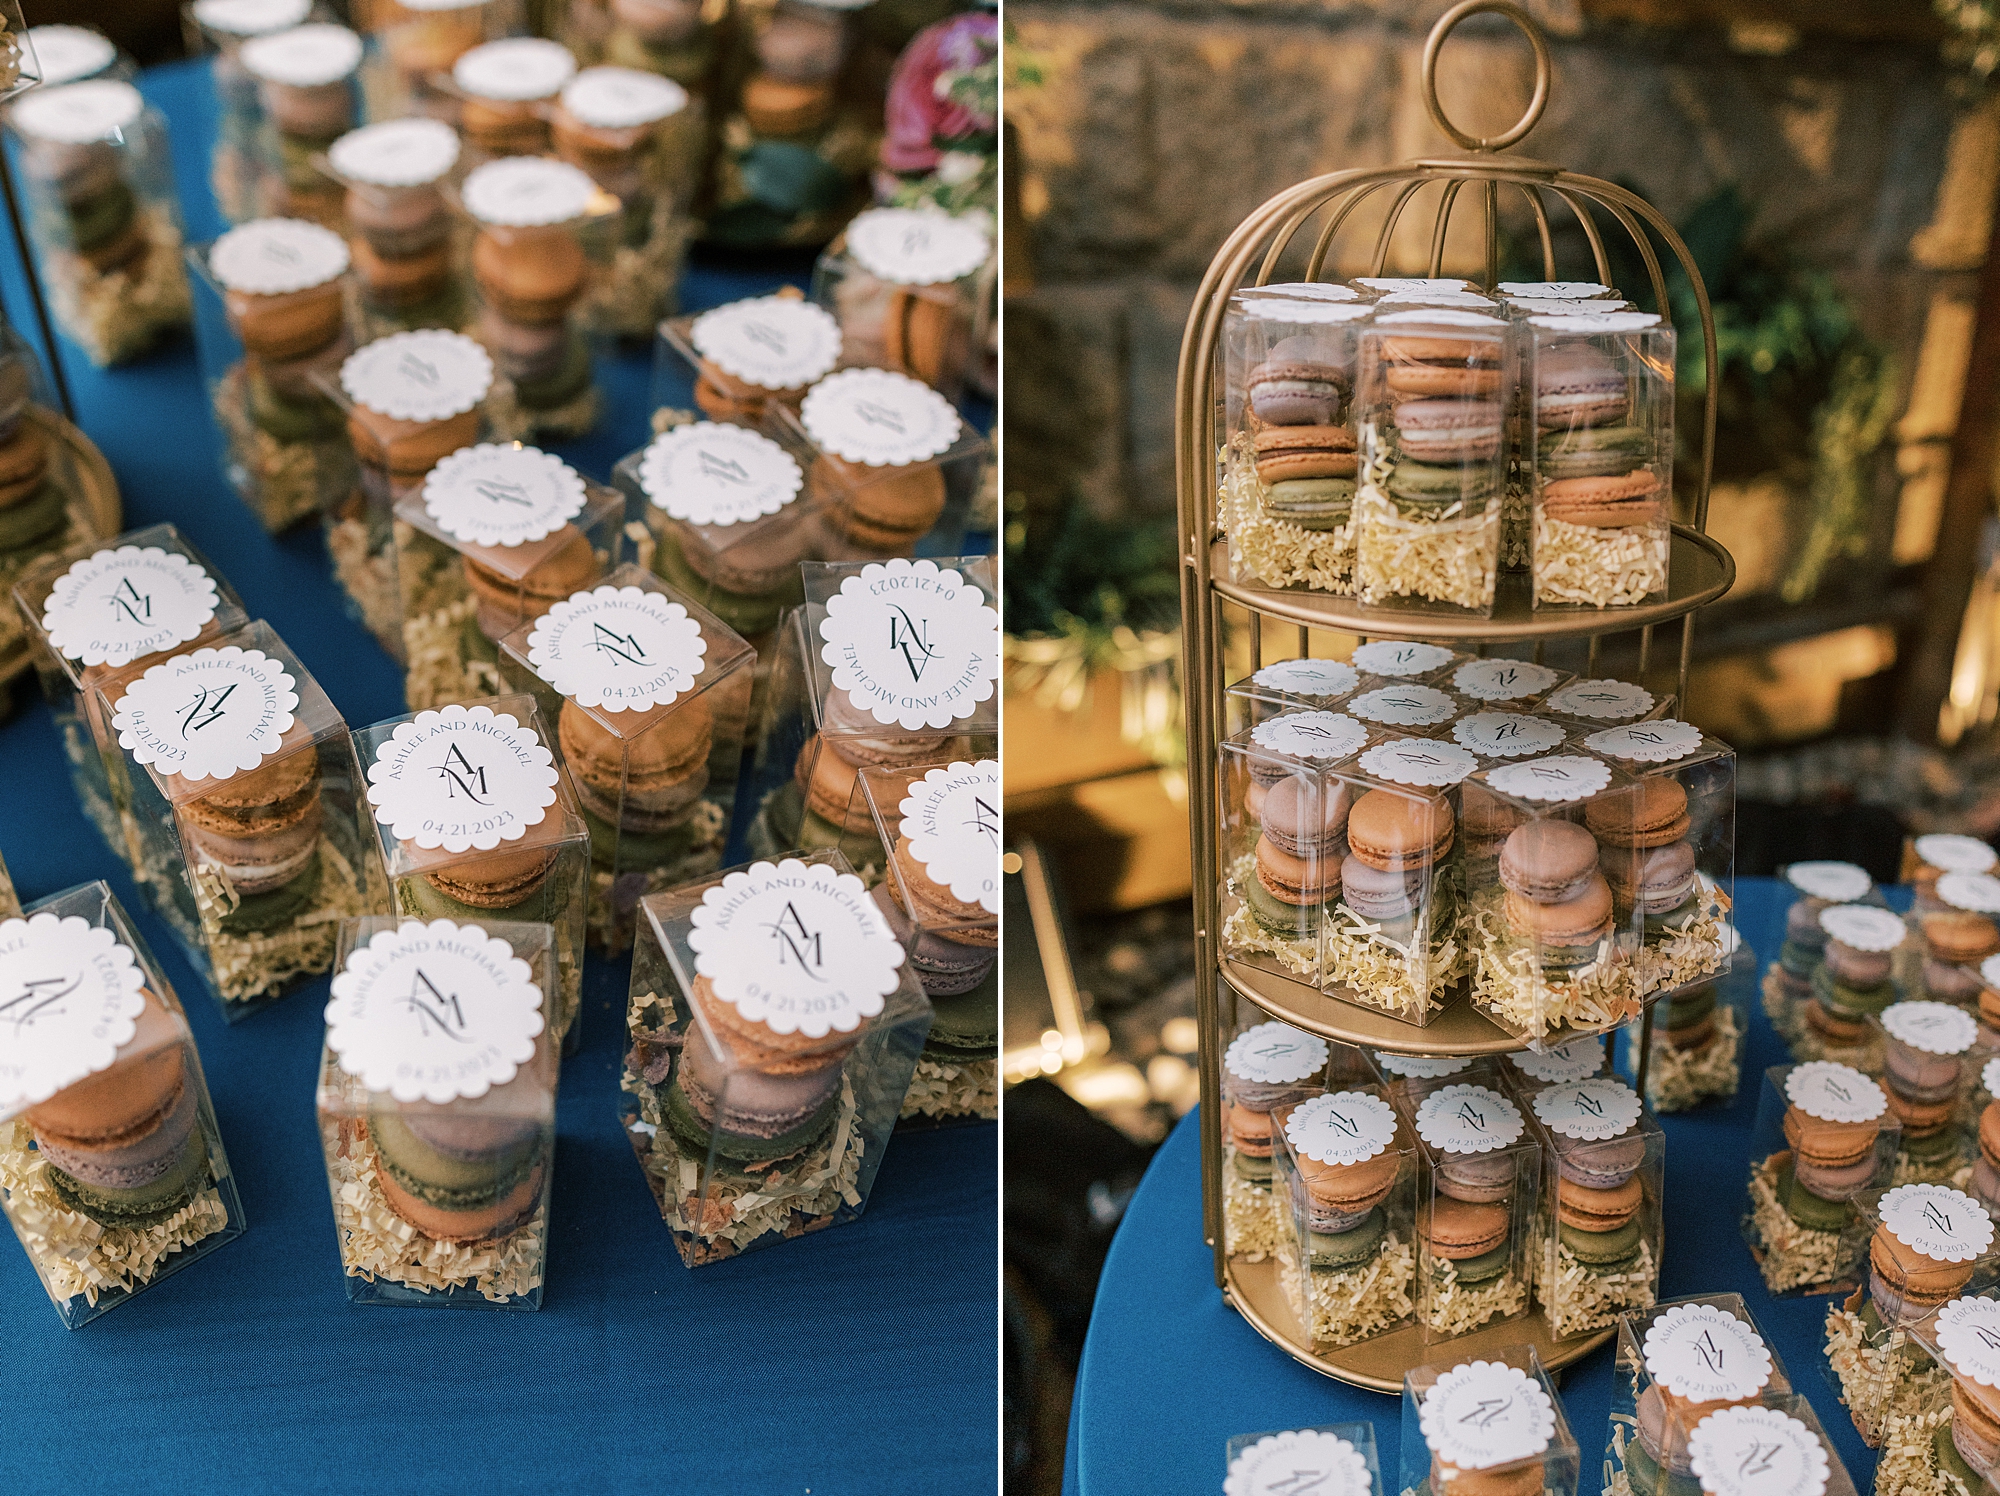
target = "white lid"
x: 1468, y: 1119
x: 1968, y: 1332
x: 1863, y: 927
x: 713, y: 473
x: 1555, y: 290
x: 1935, y: 1028
x: 1411, y: 283
x: 1834, y: 1093
x: 1312, y: 736
x: 250, y: 17
x: 1566, y: 1062
x: 801, y: 949
x: 310, y: 56
x: 119, y: 605
x: 1531, y: 306
x: 68, y: 53
x: 1404, y: 706
x: 915, y: 644
x: 951, y: 818
x: 272, y: 256
x: 1486, y: 1413
x: 1423, y: 1066
x: 1299, y: 1460
x: 1602, y: 700
x: 1274, y: 309
x: 1419, y: 761
x: 463, y: 779
x: 1555, y: 780
x: 1956, y: 854
x: 429, y: 375
x: 1977, y: 893
x: 1757, y: 1452
x: 619, y: 649
x: 207, y: 715
x: 774, y: 342
x: 1275, y: 1054
x: 913, y: 248
x: 1437, y: 298
x: 434, y: 1012
x: 526, y: 192
x: 1307, y: 677
x: 76, y: 113
x: 514, y: 70
x: 1400, y: 657
x: 613, y: 98
x: 878, y: 417
x: 1706, y: 1354
x: 1945, y: 1225
x: 1989, y: 973
x: 1346, y: 1127
x: 1501, y: 680
x: 1842, y: 882
x: 1301, y: 291
x: 70, y: 993
x: 1590, y: 1110
x: 500, y: 494
x: 1506, y: 734
x: 1659, y: 742
x: 1600, y: 322
x: 1443, y: 317
x: 396, y: 153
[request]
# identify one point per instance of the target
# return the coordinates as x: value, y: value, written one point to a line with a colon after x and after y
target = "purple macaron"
x: 944, y: 967
x: 1476, y: 1178
x: 1600, y: 1164
x: 1374, y: 894
x: 1856, y: 968
x: 1949, y: 983
x: 132, y: 1165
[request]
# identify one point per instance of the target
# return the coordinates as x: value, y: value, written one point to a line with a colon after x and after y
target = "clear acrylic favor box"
x: 1497, y: 1419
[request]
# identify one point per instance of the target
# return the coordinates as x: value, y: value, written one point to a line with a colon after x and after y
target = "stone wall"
x: 1157, y: 127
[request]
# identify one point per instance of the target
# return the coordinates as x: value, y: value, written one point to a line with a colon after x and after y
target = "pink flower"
x: 934, y: 98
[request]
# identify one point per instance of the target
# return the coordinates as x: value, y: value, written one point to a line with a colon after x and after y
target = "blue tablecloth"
x: 1170, y: 1372
x: 859, y: 1360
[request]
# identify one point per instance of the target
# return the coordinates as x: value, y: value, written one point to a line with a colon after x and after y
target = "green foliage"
x: 1072, y: 573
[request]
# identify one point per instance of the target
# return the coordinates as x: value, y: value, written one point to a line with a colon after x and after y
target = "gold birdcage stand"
x: 1700, y: 571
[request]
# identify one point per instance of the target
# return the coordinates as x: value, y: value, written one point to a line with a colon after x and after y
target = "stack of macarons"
x: 958, y: 941
x: 1657, y: 1459
x: 639, y: 787
x: 745, y: 1094
x: 1298, y: 855
x: 529, y: 279
x: 100, y: 217
x: 1591, y: 464
x: 1927, y: 1068
x: 1445, y: 394
x: 1487, y: 821
x: 1645, y: 855
x: 1912, y: 1270
x: 1938, y: 853
x: 1686, y: 1021
x: 1830, y: 1159
x: 1850, y: 987
x: 1397, y: 844
x: 1558, y: 902
x: 458, y: 1175
x: 792, y: 91
x: 513, y: 585
x: 1599, y: 1197
x: 1967, y: 1447
x: 668, y: 37
x: 306, y: 87
x: 260, y: 831
x: 506, y: 89
x: 1956, y: 941
x: 1468, y: 1219
x: 1306, y: 454
x: 1267, y: 1066
x: 881, y: 509
x: 292, y: 340
x: 1342, y: 1205
x: 827, y: 772
x: 126, y: 1146
x: 1804, y: 949
x: 1986, y: 1167
x: 34, y: 508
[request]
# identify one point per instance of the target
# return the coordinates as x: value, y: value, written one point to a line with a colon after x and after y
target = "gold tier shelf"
x: 1460, y: 1029
x: 1378, y: 1365
x: 1699, y: 572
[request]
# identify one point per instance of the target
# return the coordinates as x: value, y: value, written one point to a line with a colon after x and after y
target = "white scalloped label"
x: 1296, y: 1462
x: 78, y: 112
x: 1834, y: 1093
x: 1935, y: 1028
x: 1534, y: 306
x: 1943, y: 1224
x: 1437, y: 298
x: 915, y: 644
x: 952, y: 819
x: 613, y: 98
x: 1502, y: 680
x: 1660, y: 742
x: 1419, y: 761
x: 69, y: 999
x: 774, y: 342
x: 1346, y: 1127
x: 515, y: 70
x: 1599, y: 322
x: 1589, y: 1110
x: 1506, y: 734
x: 1307, y: 678
x: 68, y: 53
x: 801, y: 949
x: 1317, y: 313
x: 1863, y: 927
x: 207, y: 715
x: 272, y: 256
x: 1554, y: 780
x: 1565, y: 1063
x: 1757, y: 1452
x: 913, y: 248
x: 311, y: 56
x: 1423, y: 1066
x: 1301, y: 291
x: 526, y: 192
x: 430, y: 375
x: 463, y: 778
x: 878, y: 417
x: 434, y: 1012
x: 1404, y: 706
x: 619, y: 649
x: 1956, y: 854
x: 1275, y: 1054
x: 1978, y: 893
x: 396, y: 153
x: 1469, y: 1119
x: 1486, y: 1413
x: 1411, y: 283
x: 1705, y: 1354
x: 1443, y: 317
x: 1841, y: 882
x: 1555, y: 290
x: 250, y: 17
x: 1989, y: 1073
x: 711, y: 473
x: 1316, y: 737
x: 1400, y: 658
x: 1602, y: 700
x: 1968, y: 1332
x: 117, y: 606
x: 499, y: 494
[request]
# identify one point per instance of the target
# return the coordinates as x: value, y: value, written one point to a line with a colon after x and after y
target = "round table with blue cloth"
x: 1170, y: 1372
x: 859, y: 1360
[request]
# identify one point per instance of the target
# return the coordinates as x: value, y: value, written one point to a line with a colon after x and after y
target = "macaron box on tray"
x: 1852, y: 983
x: 249, y: 807
x: 493, y: 536
x: 747, y: 356
x: 103, y: 610
x: 1931, y: 1059
x: 400, y: 226
x: 102, y: 215
x: 221, y: 27
x: 904, y: 286
x: 888, y: 664
x: 775, y: 1023
x: 437, y: 1110
x: 477, y: 820
x: 504, y: 89
x: 1951, y: 1442
x: 650, y: 697
x: 1952, y: 939
x: 1699, y: 1034
x: 411, y: 46
x: 1494, y: 1426
x: 940, y: 853
x: 1337, y: 1459
x: 112, y: 1172
x: 411, y: 399
x: 1478, y: 1171
x: 1267, y: 1065
x: 269, y: 321
x: 1824, y: 1134
x: 1816, y: 886
x: 308, y: 92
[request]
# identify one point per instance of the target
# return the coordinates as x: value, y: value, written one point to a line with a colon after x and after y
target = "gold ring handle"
x: 1434, y: 44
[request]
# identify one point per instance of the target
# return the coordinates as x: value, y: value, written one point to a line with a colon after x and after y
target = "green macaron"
x: 1311, y: 503
x: 1799, y: 960
x: 749, y: 613
x: 44, y: 513
x: 1601, y: 1252
x: 1658, y: 926
x: 103, y: 217
x: 1691, y: 1006
x: 1851, y: 1002
x: 1807, y: 1209
x: 438, y: 1178
x: 1941, y: 1146
x: 1648, y: 1479
x: 1429, y: 485
x: 420, y: 899
x: 1486, y: 1267
x: 261, y: 912
x: 1256, y: 1170
x: 1592, y: 452
x: 968, y: 1021
x: 311, y: 419
x: 1334, y: 1251
x: 149, y: 1203
x: 1288, y: 921
x: 637, y: 851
